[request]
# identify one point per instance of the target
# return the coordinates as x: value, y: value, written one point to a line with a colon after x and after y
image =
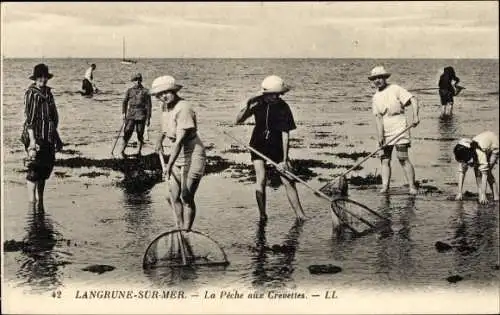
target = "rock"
x: 324, y: 269
x: 99, y: 269
x: 454, y: 279
x: 12, y: 246
x: 442, y: 247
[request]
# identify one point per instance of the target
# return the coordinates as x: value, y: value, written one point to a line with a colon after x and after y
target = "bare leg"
x: 386, y: 175
x: 175, y: 199
x: 31, y: 191
x: 40, y: 188
x: 409, y: 172
x: 188, y: 194
x: 493, y: 185
x: 293, y: 198
x: 260, y: 187
x: 477, y: 173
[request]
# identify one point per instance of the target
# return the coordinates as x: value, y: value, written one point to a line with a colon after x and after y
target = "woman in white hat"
x: 186, y: 163
x: 481, y: 153
x: 270, y: 136
x: 389, y: 103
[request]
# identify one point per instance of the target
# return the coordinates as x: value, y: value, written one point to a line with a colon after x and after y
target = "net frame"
x: 223, y: 263
x: 336, y: 208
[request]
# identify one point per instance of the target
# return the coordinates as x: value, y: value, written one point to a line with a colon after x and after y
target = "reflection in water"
x: 40, y: 264
x: 447, y: 130
x: 395, y: 254
x: 268, y: 271
x: 138, y: 213
x: 476, y: 241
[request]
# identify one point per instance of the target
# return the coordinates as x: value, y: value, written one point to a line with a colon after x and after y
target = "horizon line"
x: 291, y: 58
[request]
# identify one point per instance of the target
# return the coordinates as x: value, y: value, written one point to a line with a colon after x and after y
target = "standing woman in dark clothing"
x: 448, y: 88
x: 273, y: 122
x: 40, y: 135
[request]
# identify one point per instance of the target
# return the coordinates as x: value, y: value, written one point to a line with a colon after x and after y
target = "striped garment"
x: 41, y: 113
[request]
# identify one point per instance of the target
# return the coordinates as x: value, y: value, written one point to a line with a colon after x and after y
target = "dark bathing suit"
x: 446, y: 89
x: 272, y: 117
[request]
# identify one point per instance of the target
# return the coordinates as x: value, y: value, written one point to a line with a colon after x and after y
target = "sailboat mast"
x: 123, y: 48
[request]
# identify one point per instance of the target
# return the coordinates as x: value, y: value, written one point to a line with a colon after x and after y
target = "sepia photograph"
x: 250, y: 157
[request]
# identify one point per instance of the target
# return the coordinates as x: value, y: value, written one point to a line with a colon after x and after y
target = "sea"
x: 91, y: 218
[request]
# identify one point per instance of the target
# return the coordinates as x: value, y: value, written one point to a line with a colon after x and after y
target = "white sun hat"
x: 164, y: 83
x: 378, y: 71
x: 465, y: 142
x: 274, y: 84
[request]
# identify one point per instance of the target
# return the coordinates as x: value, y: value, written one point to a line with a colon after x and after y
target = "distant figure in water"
x: 480, y: 153
x: 40, y: 137
x: 448, y: 88
x: 389, y: 103
x: 186, y: 163
x: 136, y: 110
x: 88, y: 85
x: 270, y: 136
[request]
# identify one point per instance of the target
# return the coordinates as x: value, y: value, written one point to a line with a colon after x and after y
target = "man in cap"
x: 136, y: 112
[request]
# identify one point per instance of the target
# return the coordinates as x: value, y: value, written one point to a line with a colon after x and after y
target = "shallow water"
x: 90, y: 218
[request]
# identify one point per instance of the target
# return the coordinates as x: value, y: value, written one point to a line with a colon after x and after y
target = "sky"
x: 251, y: 30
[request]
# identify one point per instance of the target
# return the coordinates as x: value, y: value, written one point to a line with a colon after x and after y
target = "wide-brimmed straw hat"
x: 136, y: 77
x: 274, y: 84
x: 163, y: 84
x: 41, y: 70
x: 378, y: 72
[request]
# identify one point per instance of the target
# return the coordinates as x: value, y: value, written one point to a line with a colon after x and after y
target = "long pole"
x: 369, y: 156
x: 117, y: 137
x: 292, y: 175
x: 179, y: 236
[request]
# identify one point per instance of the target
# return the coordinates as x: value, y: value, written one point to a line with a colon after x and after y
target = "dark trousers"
x: 87, y: 87
x: 139, y: 125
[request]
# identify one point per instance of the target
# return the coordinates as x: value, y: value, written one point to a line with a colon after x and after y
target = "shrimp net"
x: 180, y: 248
x: 358, y: 218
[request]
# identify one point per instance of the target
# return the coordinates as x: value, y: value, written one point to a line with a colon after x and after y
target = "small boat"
x: 126, y: 61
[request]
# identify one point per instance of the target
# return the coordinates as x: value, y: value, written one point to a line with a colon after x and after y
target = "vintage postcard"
x: 250, y: 157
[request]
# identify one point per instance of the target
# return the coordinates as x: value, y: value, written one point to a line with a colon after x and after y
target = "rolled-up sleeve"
x: 483, y: 163
x: 186, y: 119
x: 404, y: 96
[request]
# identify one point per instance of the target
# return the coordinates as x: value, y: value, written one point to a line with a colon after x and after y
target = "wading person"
x: 88, y: 85
x: 389, y: 103
x: 136, y: 111
x: 40, y: 136
x: 480, y: 153
x: 186, y: 163
x: 448, y: 88
x: 270, y: 136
